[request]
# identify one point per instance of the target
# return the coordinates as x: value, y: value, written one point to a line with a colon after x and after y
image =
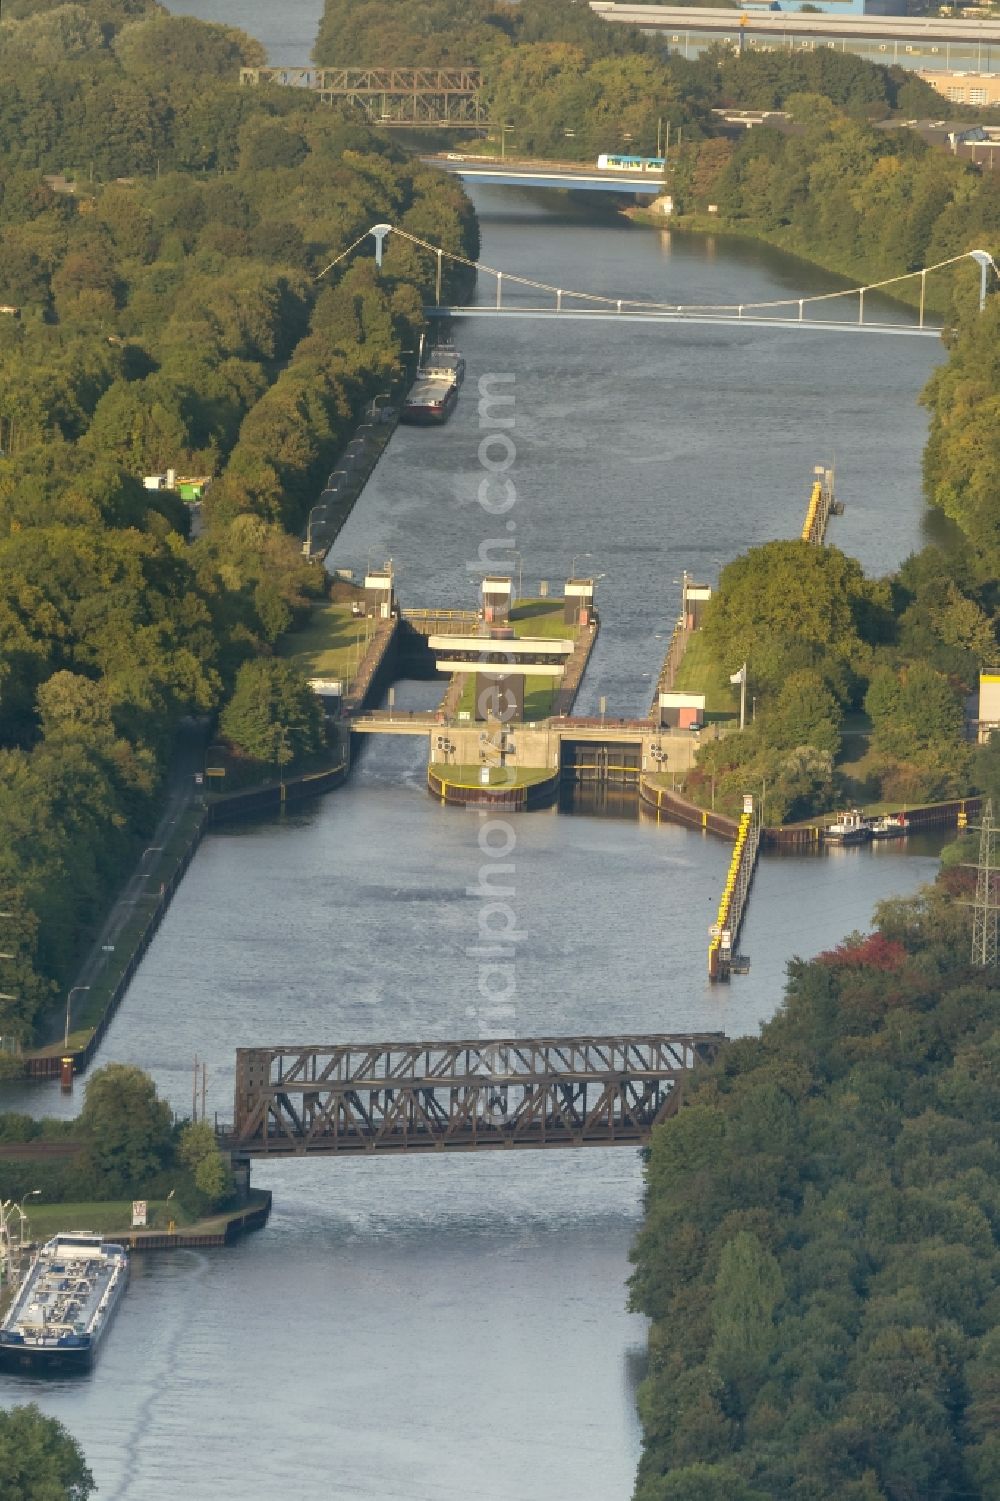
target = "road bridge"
x: 578, y: 176
x: 388, y: 1099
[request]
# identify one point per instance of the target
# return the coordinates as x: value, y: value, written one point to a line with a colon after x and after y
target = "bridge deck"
x: 566, y: 727
x: 459, y: 1096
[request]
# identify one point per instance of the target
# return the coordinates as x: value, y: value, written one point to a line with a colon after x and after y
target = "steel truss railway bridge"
x: 824, y: 312
x: 389, y: 97
x: 390, y: 1099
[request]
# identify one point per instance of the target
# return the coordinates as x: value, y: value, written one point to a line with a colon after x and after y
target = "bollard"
x: 66, y: 1074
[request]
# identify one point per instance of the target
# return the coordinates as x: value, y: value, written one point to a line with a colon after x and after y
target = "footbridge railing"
x: 392, y: 1098
x: 537, y: 299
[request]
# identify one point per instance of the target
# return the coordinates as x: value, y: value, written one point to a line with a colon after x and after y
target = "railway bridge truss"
x: 395, y: 1098
x: 387, y: 97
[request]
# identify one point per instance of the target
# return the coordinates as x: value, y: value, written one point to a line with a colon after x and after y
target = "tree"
x: 199, y: 1152
x: 700, y: 1482
x: 39, y: 1460
x: 127, y: 1130
x: 273, y: 715
x: 748, y: 1288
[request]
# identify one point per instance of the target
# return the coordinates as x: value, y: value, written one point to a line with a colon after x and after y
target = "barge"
x: 442, y: 360
x: 431, y: 400
x: 63, y: 1308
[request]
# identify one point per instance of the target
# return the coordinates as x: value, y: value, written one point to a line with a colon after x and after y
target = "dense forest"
x: 819, y: 1257
x: 570, y: 86
x: 161, y: 230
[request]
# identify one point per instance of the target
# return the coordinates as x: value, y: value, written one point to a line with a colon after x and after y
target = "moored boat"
x: 444, y: 361
x: 65, y: 1304
x: 851, y: 827
x: 889, y: 826
x: 431, y: 399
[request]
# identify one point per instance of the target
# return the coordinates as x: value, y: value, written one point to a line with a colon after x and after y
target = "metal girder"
x: 460, y: 1096
x: 389, y: 96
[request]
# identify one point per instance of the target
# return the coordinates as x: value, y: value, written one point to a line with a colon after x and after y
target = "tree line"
x: 569, y: 85
x: 819, y: 1256
x: 164, y: 319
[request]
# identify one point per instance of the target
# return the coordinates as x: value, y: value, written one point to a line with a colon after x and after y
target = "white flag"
x: 739, y: 677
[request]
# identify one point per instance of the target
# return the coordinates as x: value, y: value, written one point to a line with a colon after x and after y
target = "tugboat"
x: 65, y: 1304
x: 851, y: 828
x: 890, y: 826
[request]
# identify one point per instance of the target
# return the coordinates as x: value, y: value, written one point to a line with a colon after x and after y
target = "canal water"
x: 433, y: 1329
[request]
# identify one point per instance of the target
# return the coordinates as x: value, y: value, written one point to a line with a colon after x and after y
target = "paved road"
x: 145, y: 880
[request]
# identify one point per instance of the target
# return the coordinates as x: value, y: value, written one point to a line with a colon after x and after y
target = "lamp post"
x: 69, y: 1004
x: 575, y: 556
x: 309, y: 526
x: 503, y: 140
x: 520, y: 567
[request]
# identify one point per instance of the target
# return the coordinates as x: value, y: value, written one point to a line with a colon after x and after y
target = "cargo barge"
x: 431, y: 400
x: 444, y: 361
x: 63, y: 1309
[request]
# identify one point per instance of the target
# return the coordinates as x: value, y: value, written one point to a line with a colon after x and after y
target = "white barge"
x: 63, y: 1308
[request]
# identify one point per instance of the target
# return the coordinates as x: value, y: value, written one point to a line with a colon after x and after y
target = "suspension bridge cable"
x: 647, y: 304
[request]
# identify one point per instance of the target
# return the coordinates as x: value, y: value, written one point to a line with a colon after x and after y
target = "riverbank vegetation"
x: 125, y: 1144
x: 568, y: 85
x: 161, y: 232
x: 819, y: 1254
x: 39, y: 1459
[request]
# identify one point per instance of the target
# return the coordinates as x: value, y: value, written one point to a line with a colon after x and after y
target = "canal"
x: 428, y: 1329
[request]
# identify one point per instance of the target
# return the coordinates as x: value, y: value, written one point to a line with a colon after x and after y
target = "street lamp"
x: 520, y: 566
x: 503, y: 140
x: 578, y: 555
x: 309, y: 526
x: 69, y: 1003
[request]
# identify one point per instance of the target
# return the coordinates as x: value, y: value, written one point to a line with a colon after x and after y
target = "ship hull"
x: 32, y: 1360
x: 63, y: 1309
x: 430, y: 415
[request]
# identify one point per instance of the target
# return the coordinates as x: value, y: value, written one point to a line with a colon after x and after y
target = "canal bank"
x: 349, y: 918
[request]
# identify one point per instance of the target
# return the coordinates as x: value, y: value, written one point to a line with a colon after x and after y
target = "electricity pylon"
x: 984, y: 917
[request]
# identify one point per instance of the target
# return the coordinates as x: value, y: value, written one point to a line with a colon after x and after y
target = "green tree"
x: 273, y: 716
x: 748, y: 1289
x: 39, y: 1460
x: 199, y: 1152
x: 127, y: 1130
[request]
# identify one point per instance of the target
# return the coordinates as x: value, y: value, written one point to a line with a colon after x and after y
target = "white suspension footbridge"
x: 827, y: 312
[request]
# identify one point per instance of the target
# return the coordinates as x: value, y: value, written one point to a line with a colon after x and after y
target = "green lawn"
x: 112, y: 1217
x: 700, y: 673
x: 542, y: 617
x: 330, y: 644
x: 500, y: 776
x: 539, y: 693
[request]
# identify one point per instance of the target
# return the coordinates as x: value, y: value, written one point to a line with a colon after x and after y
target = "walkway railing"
x: 726, y: 929
x: 780, y: 312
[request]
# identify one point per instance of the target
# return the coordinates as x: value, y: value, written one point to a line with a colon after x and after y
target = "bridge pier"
x: 239, y: 1166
